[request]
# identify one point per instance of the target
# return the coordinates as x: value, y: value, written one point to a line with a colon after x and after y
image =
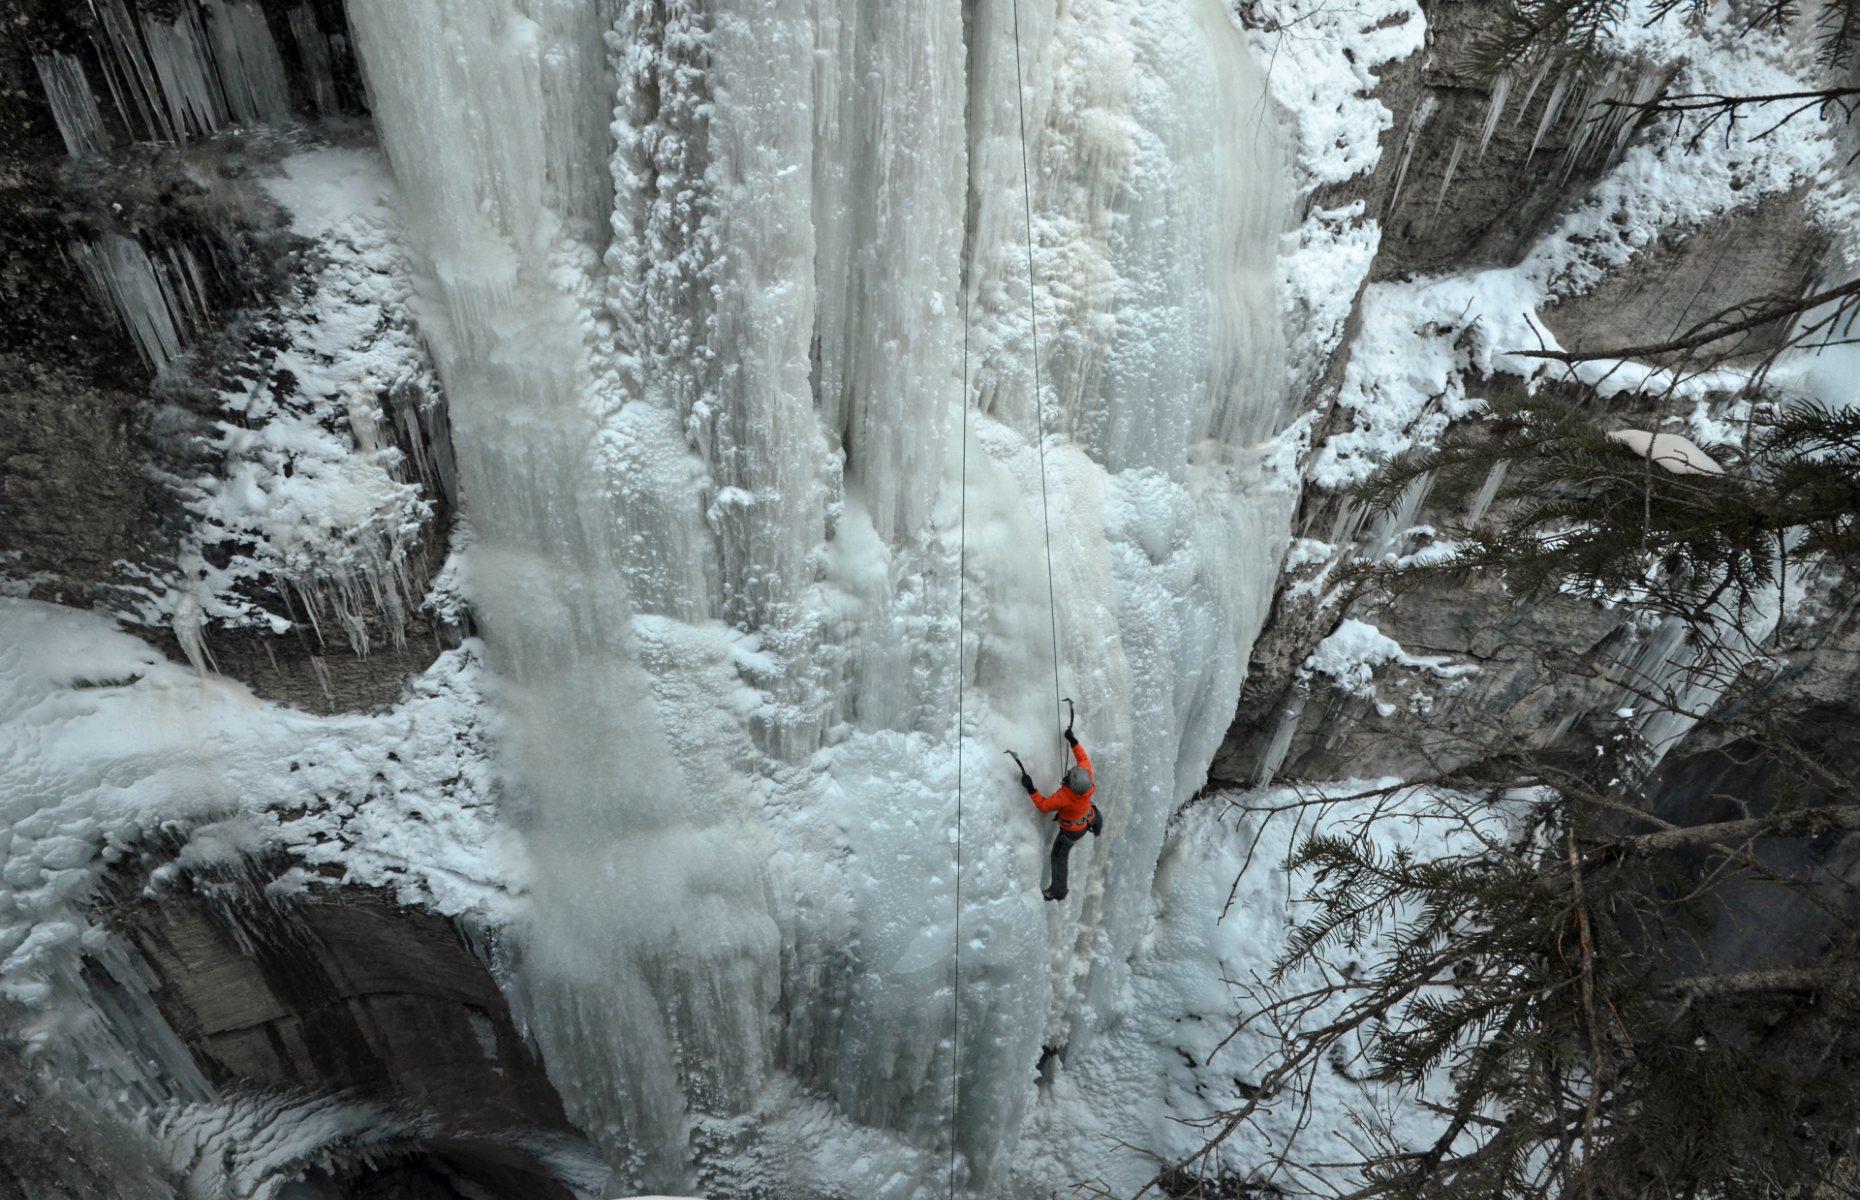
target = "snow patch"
x: 1355, y: 650
x: 106, y: 744
x: 1671, y: 451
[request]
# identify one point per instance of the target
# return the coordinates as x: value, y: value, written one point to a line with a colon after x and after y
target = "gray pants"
x: 1062, y: 852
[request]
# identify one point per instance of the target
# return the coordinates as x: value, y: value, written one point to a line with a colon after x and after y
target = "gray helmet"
x: 1079, y: 780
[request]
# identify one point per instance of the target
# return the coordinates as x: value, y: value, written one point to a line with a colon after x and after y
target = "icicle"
x: 121, y: 47
x: 189, y: 86
x: 425, y: 434
x: 1281, y: 743
x: 1553, y: 108
x: 1488, y: 491
x: 1501, y: 90
x: 1524, y: 106
x: 124, y: 279
x: 1660, y: 668
x: 313, y: 54
x: 189, y: 626
x: 73, y: 105
x: 249, y: 66
x: 182, y: 284
x: 1392, y: 529
x: 1417, y: 121
x: 127, y: 1047
x: 1590, y: 127
x: 1344, y: 525
x: 191, y: 76
x: 320, y: 669
x: 1446, y: 179
x: 1647, y: 85
x: 1608, y: 111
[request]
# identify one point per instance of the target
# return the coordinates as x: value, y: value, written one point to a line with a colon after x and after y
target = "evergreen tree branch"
x: 1807, y: 822
x: 1715, y: 328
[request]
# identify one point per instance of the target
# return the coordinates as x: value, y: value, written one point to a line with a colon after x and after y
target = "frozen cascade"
x: 705, y: 370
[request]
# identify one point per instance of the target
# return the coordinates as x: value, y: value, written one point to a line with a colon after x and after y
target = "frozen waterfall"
x: 695, y: 273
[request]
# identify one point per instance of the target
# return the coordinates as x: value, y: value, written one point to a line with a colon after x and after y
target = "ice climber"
x: 1071, y: 806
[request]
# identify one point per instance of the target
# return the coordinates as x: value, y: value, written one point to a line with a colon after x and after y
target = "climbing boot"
x: 1050, y: 894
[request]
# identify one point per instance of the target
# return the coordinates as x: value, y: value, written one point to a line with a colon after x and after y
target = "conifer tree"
x: 1579, y: 511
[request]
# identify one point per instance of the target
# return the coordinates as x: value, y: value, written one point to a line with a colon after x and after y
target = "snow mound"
x: 1671, y: 451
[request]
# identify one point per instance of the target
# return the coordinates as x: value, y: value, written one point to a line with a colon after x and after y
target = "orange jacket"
x: 1074, y: 808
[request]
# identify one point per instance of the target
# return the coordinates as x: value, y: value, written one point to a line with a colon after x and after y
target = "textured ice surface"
x: 706, y: 371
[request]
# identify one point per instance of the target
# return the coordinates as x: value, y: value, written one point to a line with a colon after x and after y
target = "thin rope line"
x: 962, y: 638
x: 1039, y: 393
x: 962, y: 582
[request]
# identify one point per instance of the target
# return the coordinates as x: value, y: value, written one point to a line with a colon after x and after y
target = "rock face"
x: 1450, y: 194
x: 1515, y: 697
x: 1767, y: 250
x: 348, y: 994
x: 1473, y: 173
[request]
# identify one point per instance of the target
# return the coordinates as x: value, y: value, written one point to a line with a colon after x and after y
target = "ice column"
x: 647, y: 970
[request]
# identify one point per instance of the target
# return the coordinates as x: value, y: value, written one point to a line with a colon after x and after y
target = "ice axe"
x: 1071, y: 714
x: 1026, y: 780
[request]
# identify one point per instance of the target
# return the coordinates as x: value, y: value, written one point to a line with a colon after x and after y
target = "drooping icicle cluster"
x: 74, y: 109
x: 214, y: 65
x: 211, y: 66
x: 160, y: 299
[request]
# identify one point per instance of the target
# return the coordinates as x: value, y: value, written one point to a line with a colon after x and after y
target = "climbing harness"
x: 962, y: 581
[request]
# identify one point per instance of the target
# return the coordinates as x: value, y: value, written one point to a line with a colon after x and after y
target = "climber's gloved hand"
x: 1071, y: 738
x: 1026, y: 781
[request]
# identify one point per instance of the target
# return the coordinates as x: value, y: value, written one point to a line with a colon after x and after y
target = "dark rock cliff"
x: 348, y: 994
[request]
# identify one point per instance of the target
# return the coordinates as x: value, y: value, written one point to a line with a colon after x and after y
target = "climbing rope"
x: 962, y: 576
x: 1039, y: 393
x: 962, y: 629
